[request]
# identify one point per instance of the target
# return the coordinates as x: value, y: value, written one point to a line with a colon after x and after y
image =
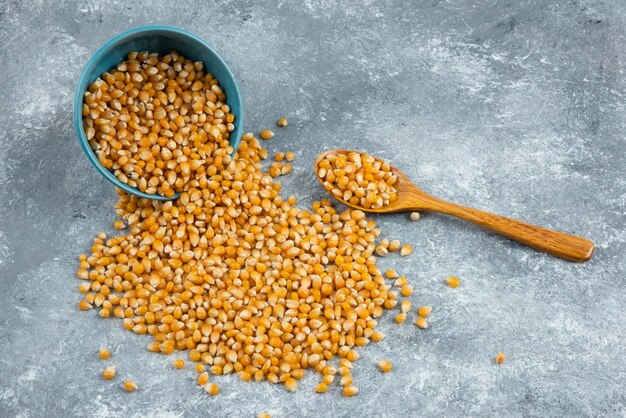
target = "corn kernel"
x: 104, y: 353
x: 406, y: 250
x: 350, y: 391
x: 384, y: 366
x: 500, y: 358
x: 391, y: 274
x: 109, y: 373
x: 267, y: 134
x: 453, y: 281
x: 421, y: 323
x: 130, y: 386
x: 203, y: 378
x: 424, y: 311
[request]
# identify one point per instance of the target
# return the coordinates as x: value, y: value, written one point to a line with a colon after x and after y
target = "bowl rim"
x: 83, y: 85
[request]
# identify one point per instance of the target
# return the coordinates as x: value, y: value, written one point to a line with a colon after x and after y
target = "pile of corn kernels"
x: 231, y: 273
x: 159, y: 123
x: 358, y: 179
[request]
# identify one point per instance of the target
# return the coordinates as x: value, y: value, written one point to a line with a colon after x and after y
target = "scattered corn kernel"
x: 109, y: 373
x: 359, y: 179
x: 384, y: 366
x: 279, y: 156
x: 453, y: 281
x: 407, y: 290
x: 400, y: 318
x: 291, y: 384
x: 394, y: 245
x: 346, y: 380
x: 119, y: 225
x: 424, y: 311
x: 266, y: 134
x: 401, y: 281
x: 415, y: 216
x: 391, y: 274
x: 421, y: 323
x: 263, y: 415
x: 405, y: 306
x: 381, y: 251
x: 350, y: 390
x: 500, y: 358
x: 212, y: 389
x: 406, y: 250
x: 179, y: 363
x: 321, y: 388
x: 104, y: 353
x: 377, y: 336
x: 289, y: 156
x: 203, y: 378
x: 130, y: 386
x: 200, y: 368
x: 282, y: 122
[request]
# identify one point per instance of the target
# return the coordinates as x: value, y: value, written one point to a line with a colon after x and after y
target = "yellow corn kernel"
x: 266, y: 134
x: 394, y: 245
x: 500, y: 358
x: 109, y: 373
x: 407, y: 290
x: 203, y: 378
x: 282, y: 122
x: 453, y: 281
x: 130, y: 386
x: 350, y: 390
x: 104, y: 353
x: 119, y: 225
x: 424, y: 311
x: 83, y: 305
x: 291, y: 384
x: 321, y: 388
x: 289, y: 156
x: 421, y: 323
x: 391, y: 274
x: 400, y: 318
x: 352, y: 355
x: 212, y: 389
x: 384, y: 366
x: 405, y: 306
x: 377, y: 336
x: 406, y: 250
x: 200, y: 367
x: 178, y: 363
x: 401, y: 281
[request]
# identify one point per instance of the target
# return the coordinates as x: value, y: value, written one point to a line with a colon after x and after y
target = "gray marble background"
x: 513, y: 106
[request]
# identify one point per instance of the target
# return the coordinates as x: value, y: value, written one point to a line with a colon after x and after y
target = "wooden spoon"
x: 410, y: 198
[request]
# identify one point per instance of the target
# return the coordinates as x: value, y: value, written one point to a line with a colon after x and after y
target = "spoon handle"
x: 569, y: 247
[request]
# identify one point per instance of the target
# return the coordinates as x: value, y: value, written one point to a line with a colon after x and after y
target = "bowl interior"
x: 162, y: 40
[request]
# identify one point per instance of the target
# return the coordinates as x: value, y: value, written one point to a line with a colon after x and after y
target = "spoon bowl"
x: 406, y: 189
x: 411, y: 198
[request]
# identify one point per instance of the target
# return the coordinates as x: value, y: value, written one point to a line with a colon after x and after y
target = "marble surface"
x: 516, y: 107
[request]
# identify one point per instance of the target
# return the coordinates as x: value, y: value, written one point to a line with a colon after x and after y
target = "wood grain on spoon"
x: 410, y: 198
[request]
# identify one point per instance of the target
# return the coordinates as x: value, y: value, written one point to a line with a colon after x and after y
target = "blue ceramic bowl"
x: 161, y: 39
